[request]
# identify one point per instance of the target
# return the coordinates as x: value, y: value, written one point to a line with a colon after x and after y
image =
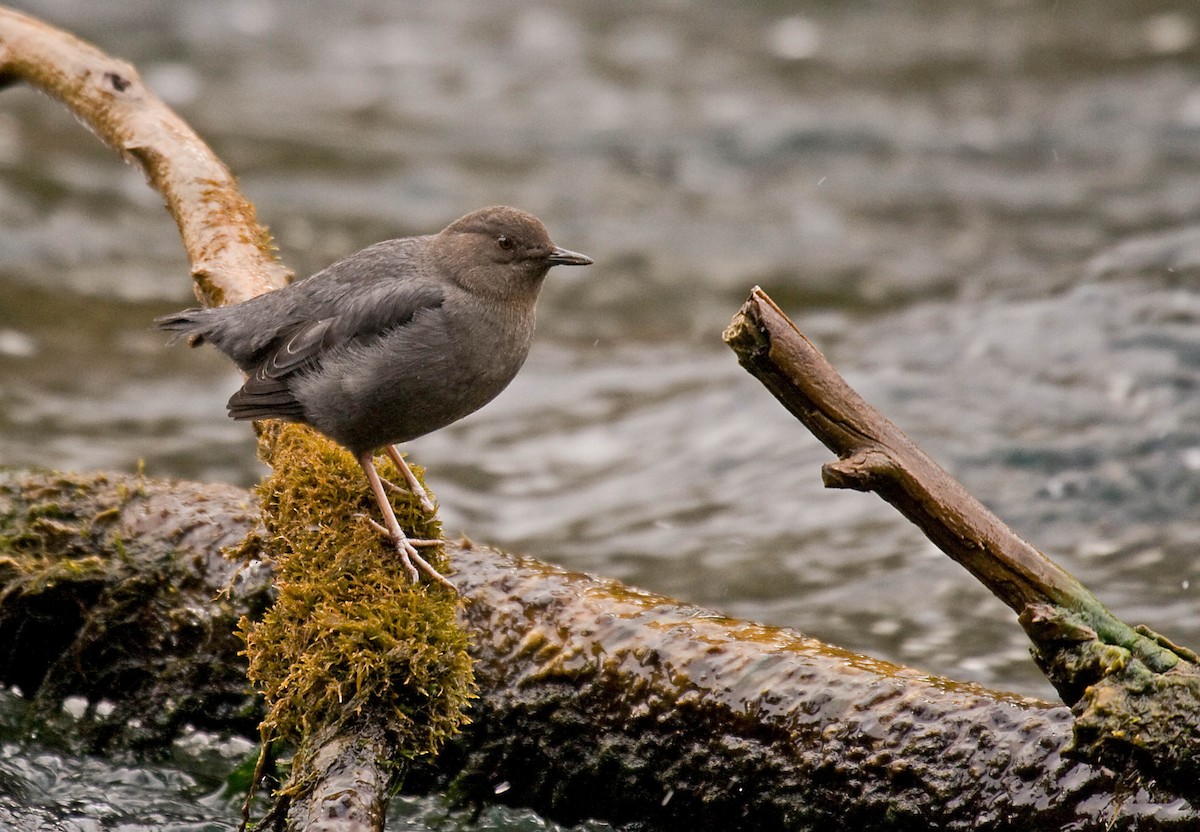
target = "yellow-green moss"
x: 348, y: 630
x: 41, y: 544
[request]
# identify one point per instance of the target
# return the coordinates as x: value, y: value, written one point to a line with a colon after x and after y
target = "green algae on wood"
x: 90, y: 605
x: 348, y: 632
x: 1127, y: 713
x: 571, y: 711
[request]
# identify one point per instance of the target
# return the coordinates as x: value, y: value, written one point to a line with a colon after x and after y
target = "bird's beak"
x: 562, y: 257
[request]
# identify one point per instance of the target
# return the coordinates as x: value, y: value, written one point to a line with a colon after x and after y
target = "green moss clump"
x: 349, y: 632
x: 45, y: 540
x: 1130, y: 712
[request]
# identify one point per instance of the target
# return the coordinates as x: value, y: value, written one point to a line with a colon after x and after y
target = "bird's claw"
x: 409, y: 556
x: 383, y: 530
x: 428, y: 569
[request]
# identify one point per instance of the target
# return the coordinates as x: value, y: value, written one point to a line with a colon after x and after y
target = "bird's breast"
x: 490, y: 351
x: 439, y: 367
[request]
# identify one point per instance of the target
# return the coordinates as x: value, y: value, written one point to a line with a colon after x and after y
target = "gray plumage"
x: 396, y: 340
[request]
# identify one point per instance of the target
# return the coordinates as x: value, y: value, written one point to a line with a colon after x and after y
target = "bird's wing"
x: 364, y: 314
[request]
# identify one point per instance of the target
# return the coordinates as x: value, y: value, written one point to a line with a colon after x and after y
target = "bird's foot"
x: 410, y: 558
x: 383, y: 530
x: 420, y: 493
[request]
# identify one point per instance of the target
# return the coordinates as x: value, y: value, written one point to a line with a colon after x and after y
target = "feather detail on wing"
x: 268, y: 392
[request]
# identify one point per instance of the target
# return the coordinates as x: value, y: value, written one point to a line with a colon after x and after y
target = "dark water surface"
x: 987, y: 215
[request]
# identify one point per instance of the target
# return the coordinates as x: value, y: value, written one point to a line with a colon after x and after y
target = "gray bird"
x: 391, y: 343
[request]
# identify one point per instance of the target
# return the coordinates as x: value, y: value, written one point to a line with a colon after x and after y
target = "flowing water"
x: 987, y: 215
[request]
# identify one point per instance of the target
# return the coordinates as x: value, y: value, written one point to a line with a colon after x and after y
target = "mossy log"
x: 362, y: 669
x: 115, y: 589
x: 595, y: 700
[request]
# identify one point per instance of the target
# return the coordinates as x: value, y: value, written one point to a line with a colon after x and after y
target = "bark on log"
x: 107, y: 582
x: 597, y: 700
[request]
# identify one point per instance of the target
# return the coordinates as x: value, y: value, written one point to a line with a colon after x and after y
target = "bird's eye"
x: 504, y: 242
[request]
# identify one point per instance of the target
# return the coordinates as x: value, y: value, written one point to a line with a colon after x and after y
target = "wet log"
x: 596, y: 700
x: 115, y: 589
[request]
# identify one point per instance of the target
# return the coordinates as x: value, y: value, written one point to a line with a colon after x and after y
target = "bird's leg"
x: 414, y: 485
x: 409, y: 556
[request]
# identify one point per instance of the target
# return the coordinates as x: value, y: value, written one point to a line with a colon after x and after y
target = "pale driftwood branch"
x: 351, y: 794
x: 596, y: 700
x: 231, y: 255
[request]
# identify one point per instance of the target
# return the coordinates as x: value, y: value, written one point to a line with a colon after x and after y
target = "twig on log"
x: 1122, y: 679
x: 874, y: 455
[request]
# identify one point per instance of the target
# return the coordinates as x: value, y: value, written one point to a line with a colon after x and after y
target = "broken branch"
x: 1130, y: 687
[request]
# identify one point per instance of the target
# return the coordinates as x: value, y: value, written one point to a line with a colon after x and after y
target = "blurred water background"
x: 987, y: 215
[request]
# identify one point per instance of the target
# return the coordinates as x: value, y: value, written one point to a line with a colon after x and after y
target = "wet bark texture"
x: 106, y: 587
x: 596, y: 700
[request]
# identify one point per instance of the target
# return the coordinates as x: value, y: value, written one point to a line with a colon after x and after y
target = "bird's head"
x: 501, y: 252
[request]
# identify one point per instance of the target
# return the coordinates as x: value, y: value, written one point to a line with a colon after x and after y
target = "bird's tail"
x: 190, y: 323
